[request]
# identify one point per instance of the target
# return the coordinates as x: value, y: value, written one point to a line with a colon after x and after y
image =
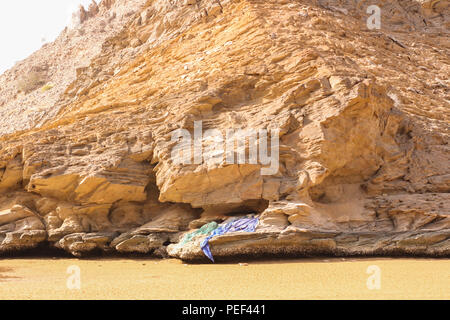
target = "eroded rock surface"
x: 363, y: 118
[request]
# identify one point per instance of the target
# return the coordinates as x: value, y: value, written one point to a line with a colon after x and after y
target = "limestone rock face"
x: 362, y: 121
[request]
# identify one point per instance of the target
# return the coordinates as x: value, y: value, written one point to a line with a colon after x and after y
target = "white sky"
x: 25, y: 23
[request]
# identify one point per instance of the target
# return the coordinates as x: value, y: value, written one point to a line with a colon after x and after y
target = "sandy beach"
x: 25, y: 278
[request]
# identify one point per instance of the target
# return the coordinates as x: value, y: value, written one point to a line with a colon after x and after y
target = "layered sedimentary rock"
x: 362, y: 118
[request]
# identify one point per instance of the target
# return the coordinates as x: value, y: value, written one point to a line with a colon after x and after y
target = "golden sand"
x: 171, y: 279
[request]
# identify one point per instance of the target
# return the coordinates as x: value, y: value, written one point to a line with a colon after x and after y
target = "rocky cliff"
x: 361, y: 115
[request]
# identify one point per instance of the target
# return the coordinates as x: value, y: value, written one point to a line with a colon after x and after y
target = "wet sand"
x: 25, y: 278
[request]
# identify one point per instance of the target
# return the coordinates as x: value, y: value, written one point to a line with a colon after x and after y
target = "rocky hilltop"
x: 361, y: 118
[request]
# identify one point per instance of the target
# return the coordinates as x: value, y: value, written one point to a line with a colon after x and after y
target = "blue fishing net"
x: 242, y: 225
